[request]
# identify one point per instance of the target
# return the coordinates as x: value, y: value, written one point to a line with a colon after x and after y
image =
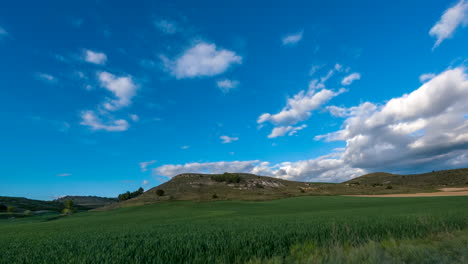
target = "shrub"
x: 226, y: 177
x: 3, y: 208
x: 69, y: 207
x: 258, y: 185
x: 27, y: 212
x: 10, y: 209
x: 159, y: 192
x: 214, y: 196
x: 389, y: 187
x: 302, y: 190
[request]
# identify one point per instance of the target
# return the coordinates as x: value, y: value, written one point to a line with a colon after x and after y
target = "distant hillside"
x: 22, y: 204
x: 88, y: 201
x: 457, y: 177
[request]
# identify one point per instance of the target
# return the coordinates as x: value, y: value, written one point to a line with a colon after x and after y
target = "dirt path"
x: 443, y: 192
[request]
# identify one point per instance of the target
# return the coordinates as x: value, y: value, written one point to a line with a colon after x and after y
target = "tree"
x: 69, y: 207
x: 10, y: 209
x: 159, y: 192
x: 3, y: 208
x: 129, y: 195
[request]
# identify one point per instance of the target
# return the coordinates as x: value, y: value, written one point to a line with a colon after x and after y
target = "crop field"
x: 288, y: 230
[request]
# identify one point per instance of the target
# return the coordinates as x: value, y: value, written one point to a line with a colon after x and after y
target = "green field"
x: 301, y: 229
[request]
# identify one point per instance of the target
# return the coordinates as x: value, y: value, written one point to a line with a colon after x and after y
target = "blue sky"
x: 101, y: 97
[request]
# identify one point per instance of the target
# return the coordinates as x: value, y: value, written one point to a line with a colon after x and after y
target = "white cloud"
x: 209, y: 167
x: 135, y: 118
x: 424, y: 130
x: 427, y: 128
x: 144, y: 165
x: 281, y: 131
x: 46, y: 77
x: 226, y: 85
x: 185, y: 147
x: 89, y: 118
x: 227, y: 139
x: 166, y: 26
x: 449, y: 22
x: 299, y: 107
x: 348, y: 80
x: 203, y: 59
x: 145, y: 182
x: 426, y: 77
x: 95, y: 57
x: 63, y: 174
x: 124, y: 88
x: 293, y: 38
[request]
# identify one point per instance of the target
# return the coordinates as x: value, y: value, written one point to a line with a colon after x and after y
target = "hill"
x: 243, y: 186
x: 88, y: 201
x: 22, y: 204
x: 456, y: 177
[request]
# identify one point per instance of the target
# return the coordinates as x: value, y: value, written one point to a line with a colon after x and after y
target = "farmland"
x: 287, y: 230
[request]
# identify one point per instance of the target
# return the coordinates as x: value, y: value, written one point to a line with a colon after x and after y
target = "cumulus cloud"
x: 451, y: 19
x: 292, y: 38
x: 283, y: 130
x: 228, y: 139
x: 91, y: 119
x: 144, y: 165
x: 95, y: 57
x: 209, y: 167
x: 226, y: 85
x: 123, y: 88
x: 426, y: 77
x: 299, y: 107
x: 203, y: 59
x: 420, y: 131
x: 426, y: 128
x: 166, y: 26
x: 348, y: 80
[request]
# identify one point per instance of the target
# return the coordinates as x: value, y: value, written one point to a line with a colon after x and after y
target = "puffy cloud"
x: 292, y: 38
x: 226, y: 85
x: 449, y: 22
x: 281, y: 131
x: 227, y: 139
x: 185, y: 147
x: 95, y: 57
x: 124, y: 88
x: 203, y: 59
x: 299, y: 107
x: 135, y: 118
x: 426, y: 77
x: 144, y: 165
x: 63, y: 174
x: 166, y: 26
x: 145, y: 182
x: 209, y: 167
x: 89, y: 118
x: 426, y: 128
x: 348, y: 80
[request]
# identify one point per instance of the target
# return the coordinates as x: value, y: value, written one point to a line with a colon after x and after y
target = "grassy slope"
x: 225, y: 231
x: 29, y: 204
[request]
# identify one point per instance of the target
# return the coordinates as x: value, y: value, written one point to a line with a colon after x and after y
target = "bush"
x: 3, y: 208
x: 27, y: 212
x: 69, y: 207
x: 389, y: 187
x: 214, y: 196
x: 159, y: 192
x: 258, y: 185
x: 226, y: 177
x: 10, y: 209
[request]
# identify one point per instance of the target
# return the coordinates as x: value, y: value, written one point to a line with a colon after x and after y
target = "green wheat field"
x: 295, y: 230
